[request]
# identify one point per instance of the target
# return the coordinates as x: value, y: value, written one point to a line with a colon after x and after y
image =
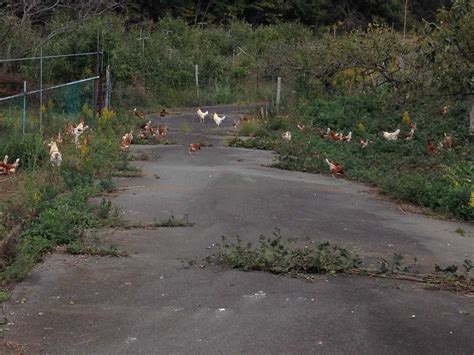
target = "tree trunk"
x: 471, y: 126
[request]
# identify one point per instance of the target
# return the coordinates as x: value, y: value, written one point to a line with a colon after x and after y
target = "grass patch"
x: 170, y: 222
x: 140, y: 157
x: 402, y: 169
x: 4, y: 296
x: 130, y: 173
x: 274, y: 256
x: 263, y: 143
x: 174, y: 222
x: 52, y: 204
x: 79, y: 248
x: 185, y: 128
x: 123, y: 168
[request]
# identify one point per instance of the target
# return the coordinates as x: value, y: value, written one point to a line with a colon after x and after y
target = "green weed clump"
x: 263, y: 143
x: 272, y: 255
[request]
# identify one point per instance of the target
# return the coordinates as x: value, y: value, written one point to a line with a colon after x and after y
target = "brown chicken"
x: 335, y: 168
x: 139, y: 114
x: 193, y: 147
x: 448, y: 141
x: 8, y: 169
x: 431, y: 147
x: 444, y: 111
x: 162, y: 130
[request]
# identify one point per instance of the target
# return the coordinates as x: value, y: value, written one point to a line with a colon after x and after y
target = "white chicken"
x: 54, y: 154
x: 347, y: 138
x: 218, y: 120
x: 201, y: 115
x: 286, y: 136
x: 391, y: 136
x: 78, y: 130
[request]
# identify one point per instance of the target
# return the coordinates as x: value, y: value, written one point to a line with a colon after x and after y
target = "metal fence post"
x: 108, y: 87
x: 196, y: 73
x: 41, y: 91
x: 278, y: 96
x: 24, y: 107
x: 96, y: 82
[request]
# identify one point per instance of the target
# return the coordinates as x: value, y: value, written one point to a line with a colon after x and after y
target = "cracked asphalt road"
x: 152, y: 303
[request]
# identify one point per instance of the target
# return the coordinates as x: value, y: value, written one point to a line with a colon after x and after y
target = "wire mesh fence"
x: 31, y: 102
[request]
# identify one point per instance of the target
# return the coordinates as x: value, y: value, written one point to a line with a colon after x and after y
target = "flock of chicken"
x: 55, y: 156
x: 147, y: 131
x: 336, y: 169
x: 202, y: 115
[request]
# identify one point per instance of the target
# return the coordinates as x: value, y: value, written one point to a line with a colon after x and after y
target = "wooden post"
x: 108, y: 87
x: 471, y: 126
x: 196, y: 73
x: 96, y: 82
x: 24, y: 108
x: 41, y: 91
x: 405, y: 19
x: 278, y: 96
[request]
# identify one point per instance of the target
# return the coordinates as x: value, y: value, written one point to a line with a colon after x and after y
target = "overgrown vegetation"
x: 360, y: 76
x: 170, y: 222
x: 276, y: 256
x: 403, y: 169
x: 51, y: 204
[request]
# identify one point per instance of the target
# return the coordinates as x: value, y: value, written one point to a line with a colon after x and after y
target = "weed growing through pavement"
x: 170, y: 222
x: 140, y: 157
x: 79, y: 248
x: 263, y: 143
x: 122, y: 168
x: 4, y: 296
x: 185, y: 128
x: 273, y: 255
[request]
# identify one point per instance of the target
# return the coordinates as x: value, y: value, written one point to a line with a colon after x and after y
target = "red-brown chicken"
x: 8, y: 169
x: 193, y: 147
x: 335, y: 168
x: 431, y: 147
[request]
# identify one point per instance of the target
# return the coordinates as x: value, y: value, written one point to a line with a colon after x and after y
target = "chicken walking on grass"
x: 126, y: 141
x: 7, y: 169
x: 447, y: 142
x: 391, y: 136
x: 138, y: 114
x: 55, y: 156
x: 335, y: 168
x: 431, y: 147
x: 286, y: 136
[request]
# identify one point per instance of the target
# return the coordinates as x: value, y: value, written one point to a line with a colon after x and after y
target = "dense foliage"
x: 347, y: 68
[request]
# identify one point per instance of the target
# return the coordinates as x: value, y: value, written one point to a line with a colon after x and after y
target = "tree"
x: 450, y: 52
